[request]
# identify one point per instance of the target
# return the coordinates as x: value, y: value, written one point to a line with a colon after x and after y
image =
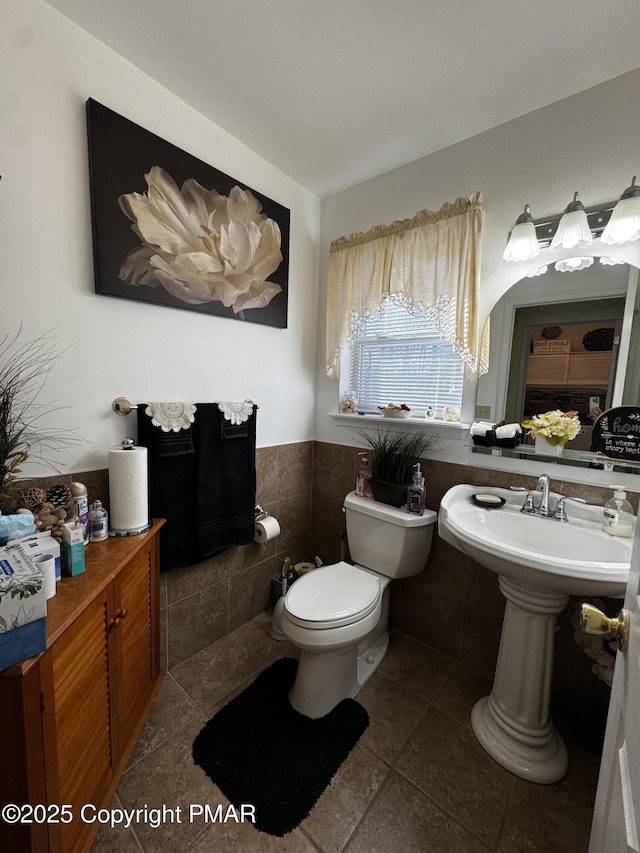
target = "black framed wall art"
x: 172, y: 230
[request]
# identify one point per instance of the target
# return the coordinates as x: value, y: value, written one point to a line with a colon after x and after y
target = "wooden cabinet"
x: 75, y: 711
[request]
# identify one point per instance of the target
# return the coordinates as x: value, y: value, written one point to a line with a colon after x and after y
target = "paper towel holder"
x: 128, y: 444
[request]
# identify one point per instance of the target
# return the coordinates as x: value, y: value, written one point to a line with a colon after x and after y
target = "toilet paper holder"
x: 266, y: 526
x: 260, y: 513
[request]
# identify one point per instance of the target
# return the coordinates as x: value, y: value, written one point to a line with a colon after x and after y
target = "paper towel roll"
x: 266, y: 529
x: 128, y: 494
x: 46, y: 563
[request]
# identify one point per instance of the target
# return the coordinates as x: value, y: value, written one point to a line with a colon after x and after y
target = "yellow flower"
x: 556, y: 426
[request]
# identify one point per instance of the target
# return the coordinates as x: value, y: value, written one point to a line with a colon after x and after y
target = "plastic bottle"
x: 415, y: 492
x: 98, y: 522
x: 363, y: 489
x: 81, y: 506
x: 618, y: 519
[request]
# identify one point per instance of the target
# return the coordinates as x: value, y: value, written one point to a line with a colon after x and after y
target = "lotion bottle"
x: 415, y: 492
x: 98, y: 522
x: 618, y: 519
x: 363, y: 489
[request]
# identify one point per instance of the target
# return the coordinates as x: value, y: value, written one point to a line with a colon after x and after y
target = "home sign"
x: 616, y: 433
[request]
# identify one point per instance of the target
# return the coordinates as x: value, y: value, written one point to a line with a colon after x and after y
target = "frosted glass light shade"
x: 573, y: 228
x: 536, y: 273
x: 624, y: 225
x: 573, y: 264
x: 523, y: 242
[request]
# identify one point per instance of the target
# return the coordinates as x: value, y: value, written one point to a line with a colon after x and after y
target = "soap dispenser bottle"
x: 415, y: 492
x: 617, y: 519
x: 363, y: 489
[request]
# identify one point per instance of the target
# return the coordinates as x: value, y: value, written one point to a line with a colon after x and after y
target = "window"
x: 399, y: 357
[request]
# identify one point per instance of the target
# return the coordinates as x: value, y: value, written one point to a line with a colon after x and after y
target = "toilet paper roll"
x: 46, y: 563
x: 128, y: 493
x: 266, y: 529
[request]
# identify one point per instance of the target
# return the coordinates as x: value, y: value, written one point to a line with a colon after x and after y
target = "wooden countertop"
x: 103, y: 561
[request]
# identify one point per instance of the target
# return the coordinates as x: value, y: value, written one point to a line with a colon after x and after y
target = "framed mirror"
x: 565, y: 340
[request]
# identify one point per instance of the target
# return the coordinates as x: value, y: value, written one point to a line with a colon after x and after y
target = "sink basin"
x: 574, y: 557
x: 540, y: 563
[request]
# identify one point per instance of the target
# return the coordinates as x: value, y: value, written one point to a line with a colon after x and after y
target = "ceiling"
x: 333, y: 92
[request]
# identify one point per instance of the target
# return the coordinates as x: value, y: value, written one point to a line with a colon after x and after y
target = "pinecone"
x: 59, y: 495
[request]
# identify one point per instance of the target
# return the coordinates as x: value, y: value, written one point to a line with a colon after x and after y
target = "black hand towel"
x: 225, y: 483
x: 208, y: 496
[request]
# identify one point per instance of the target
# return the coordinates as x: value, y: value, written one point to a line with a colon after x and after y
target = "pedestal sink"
x: 540, y: 563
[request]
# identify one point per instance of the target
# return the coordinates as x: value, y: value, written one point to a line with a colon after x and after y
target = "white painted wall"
x: 121, y: 347
x: 50, y: 67
x: 588, y: 142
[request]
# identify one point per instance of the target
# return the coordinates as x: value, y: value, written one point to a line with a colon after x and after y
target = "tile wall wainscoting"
x: 454, y: 606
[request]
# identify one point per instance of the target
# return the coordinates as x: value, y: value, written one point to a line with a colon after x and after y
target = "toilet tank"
x: 387, y: 540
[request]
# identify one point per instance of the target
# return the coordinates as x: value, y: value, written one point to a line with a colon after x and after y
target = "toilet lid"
x: 332, y: 596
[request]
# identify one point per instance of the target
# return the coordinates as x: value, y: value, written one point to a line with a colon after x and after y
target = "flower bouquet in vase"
x: 552, y: 430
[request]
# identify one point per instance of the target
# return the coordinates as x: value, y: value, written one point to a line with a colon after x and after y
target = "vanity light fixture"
x: 624, y: 225
x: 614, y: 223
x: 536, y: 273
x: 523, y: 242
x: 573, y: 229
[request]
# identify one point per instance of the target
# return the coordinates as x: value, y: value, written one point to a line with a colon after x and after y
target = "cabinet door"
x: 77, y: 678
x: 136, y: 643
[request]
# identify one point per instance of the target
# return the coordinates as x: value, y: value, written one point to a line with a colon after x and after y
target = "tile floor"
x: 417, y: 781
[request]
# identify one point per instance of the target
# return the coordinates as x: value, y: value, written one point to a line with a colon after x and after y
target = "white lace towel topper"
x: 236, y: 412
x: 171, y: 416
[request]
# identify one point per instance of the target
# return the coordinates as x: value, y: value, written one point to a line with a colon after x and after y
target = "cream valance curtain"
x: 430, y: 263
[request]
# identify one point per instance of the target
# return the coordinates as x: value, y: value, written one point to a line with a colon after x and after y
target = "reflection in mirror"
x: 565, y: 340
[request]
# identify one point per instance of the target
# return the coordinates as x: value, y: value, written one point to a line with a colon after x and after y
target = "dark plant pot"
x: 388, y: 493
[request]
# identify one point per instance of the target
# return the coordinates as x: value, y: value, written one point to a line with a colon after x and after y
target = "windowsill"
x: 454, y: 431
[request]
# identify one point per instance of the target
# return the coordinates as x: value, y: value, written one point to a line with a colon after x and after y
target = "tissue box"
x: 42, y: 543
x: 23, y: 608
x: 16, y: 526
x: 73, y: 548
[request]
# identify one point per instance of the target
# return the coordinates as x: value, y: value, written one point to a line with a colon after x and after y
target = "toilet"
x: 338, y: 615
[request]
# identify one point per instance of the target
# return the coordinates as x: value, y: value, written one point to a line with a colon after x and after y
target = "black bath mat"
x: 261, y: 752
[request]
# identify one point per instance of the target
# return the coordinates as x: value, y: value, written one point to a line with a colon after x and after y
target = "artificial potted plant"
x: 393, y: 456
x: 24, y: 368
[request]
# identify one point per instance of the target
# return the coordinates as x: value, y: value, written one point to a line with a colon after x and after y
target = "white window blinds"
x: 398, y: 357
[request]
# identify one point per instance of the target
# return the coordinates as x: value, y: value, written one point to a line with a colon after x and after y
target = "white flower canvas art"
x: 172, y: 230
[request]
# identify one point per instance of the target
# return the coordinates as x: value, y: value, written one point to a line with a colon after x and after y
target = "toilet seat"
x: 333, y: 596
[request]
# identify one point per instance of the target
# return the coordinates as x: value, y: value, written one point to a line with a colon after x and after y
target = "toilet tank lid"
x: 390, y: 514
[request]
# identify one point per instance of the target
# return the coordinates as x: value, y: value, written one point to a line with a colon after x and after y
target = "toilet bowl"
x: 338, y: 615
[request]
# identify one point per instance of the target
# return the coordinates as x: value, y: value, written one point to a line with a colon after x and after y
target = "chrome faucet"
x: 543, y: 487
x: 542, y: 509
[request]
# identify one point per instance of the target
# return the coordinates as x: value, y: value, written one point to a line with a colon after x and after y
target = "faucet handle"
x: 560, y: 513
x: 528, y: 505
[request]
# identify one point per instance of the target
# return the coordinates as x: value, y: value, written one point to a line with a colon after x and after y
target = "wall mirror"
x: 565, y: 340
